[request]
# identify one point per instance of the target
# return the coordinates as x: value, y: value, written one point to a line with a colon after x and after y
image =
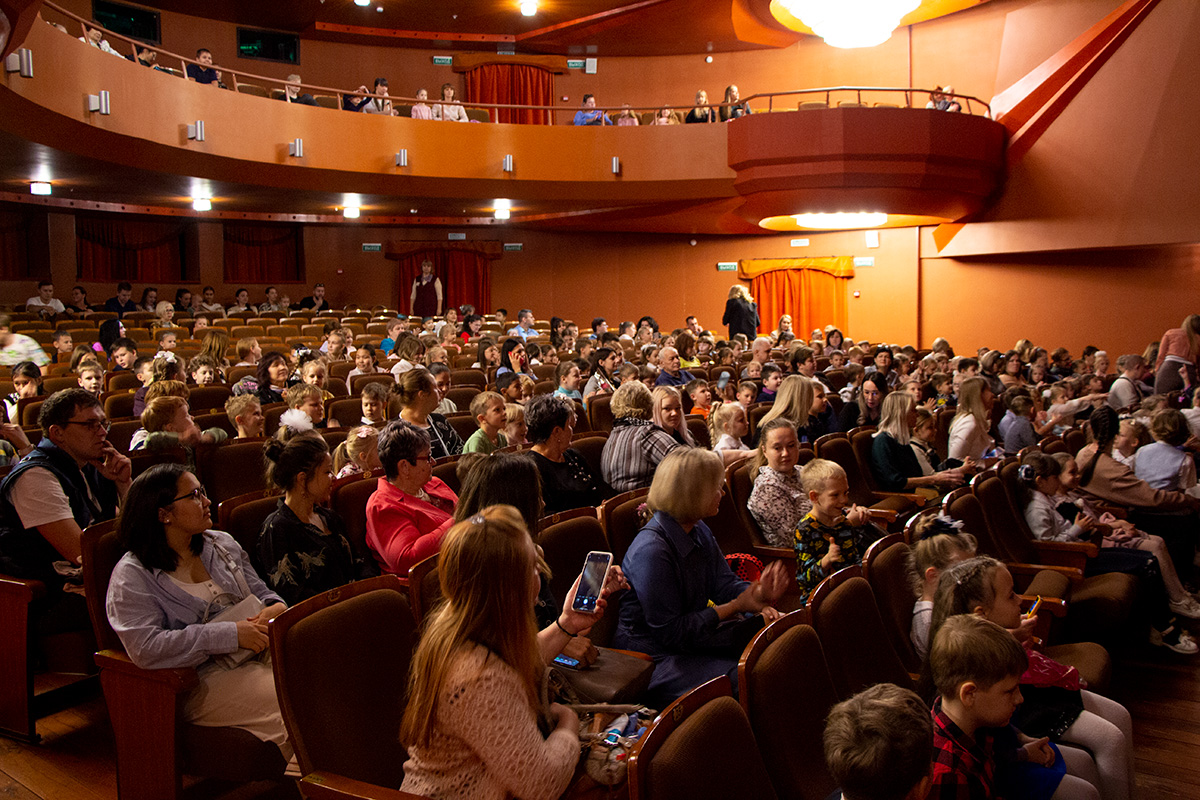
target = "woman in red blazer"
x: 411, y: 510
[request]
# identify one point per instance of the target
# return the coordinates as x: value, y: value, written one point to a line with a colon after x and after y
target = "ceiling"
x: 564, y: 27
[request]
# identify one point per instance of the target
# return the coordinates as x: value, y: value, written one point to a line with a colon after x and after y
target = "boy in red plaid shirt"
x: 976, y: 666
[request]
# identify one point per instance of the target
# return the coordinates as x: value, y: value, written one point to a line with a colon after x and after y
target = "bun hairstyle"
x: 300, y: 455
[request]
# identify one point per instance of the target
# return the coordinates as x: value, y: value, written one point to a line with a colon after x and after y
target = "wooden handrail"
x: 342, y: 93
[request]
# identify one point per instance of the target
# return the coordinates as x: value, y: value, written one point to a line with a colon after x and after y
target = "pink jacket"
x: 403, y: 530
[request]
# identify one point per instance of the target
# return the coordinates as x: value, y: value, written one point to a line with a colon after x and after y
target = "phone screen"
x: 592, y: 581
x: 566, y: 661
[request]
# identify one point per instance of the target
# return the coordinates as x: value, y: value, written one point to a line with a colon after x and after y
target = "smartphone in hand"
x: 595, y: 570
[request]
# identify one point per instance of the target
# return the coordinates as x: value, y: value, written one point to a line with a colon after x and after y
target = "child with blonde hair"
x: 727, y: 424
x: 514, y: 424
x: 488, y: 410
x: 835, y: 533
x: 940, y: 544
x: 358, y: 454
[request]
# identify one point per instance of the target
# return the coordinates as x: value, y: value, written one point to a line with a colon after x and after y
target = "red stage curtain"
x: 518, y: 84
x: 14, y: 245
x: 814, y: 298
x: 264, y: 253
x: 129, y: 250
x: 465, y: 274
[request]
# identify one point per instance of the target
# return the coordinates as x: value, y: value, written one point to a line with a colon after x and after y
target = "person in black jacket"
x: 741, y: 313
x: 303, y: 550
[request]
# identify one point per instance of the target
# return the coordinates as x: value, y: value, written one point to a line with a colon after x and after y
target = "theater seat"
x: 788, y: 715
x: 885, y: 567
x: 701, y: 746
x: 342, y: 685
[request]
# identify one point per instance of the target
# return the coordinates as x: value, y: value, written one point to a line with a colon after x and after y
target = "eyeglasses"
x: 427, y: 457
x: 94, y: 425
x: 194, y: 494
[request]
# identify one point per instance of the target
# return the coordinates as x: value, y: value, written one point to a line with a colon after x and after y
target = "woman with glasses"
x: 187, y: 596
x: 411, y: 510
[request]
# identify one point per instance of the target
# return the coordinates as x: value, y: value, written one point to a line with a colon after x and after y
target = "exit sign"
x: 864, y: 261
x: 513, y: 247
x: 443, y: 61
x: 575, y: 63
x: 372, y: 247
x: 726, y: 266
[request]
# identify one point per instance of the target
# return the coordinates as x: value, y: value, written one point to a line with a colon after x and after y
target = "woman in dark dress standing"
x: 741, y: 313
x: 427, y: 295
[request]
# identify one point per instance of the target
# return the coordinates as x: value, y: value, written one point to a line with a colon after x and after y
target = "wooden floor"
x: 75, y: 760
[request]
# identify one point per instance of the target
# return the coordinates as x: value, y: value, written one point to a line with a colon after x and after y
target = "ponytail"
x: 340, y: 457
x: 1103, y: 424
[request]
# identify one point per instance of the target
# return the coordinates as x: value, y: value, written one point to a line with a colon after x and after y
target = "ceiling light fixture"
x: 39, y: 187
x: 851, y: 23
x: 351, y: 212
x: 841, y: 220
x: 502, y: 203
x: 503, y: 213
x: 363, y: 3
x: 529, y: 7
x: 202, y: 204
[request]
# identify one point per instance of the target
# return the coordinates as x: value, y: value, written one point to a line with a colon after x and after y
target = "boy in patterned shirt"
x: 834, y: 534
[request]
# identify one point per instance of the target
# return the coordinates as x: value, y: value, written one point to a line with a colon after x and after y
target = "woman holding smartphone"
x: 471, y: 725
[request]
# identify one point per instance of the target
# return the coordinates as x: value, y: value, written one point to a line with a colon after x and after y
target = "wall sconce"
x: 196, y: 130
x: 296, y: 148
x: 616, y: 165
x: 508, y: 163
x: 99, y: 102
x: 20, y: 61
x: 402, y: 158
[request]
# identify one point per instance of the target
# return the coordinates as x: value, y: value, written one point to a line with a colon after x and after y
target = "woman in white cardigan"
x: 449, y: 110
x: 969, y: 439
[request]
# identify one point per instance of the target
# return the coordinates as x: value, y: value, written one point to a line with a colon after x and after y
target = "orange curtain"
x: 814, y: 296
x: 518, y: 84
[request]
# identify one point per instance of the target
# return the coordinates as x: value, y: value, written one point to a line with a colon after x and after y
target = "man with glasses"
x: 73, y: 478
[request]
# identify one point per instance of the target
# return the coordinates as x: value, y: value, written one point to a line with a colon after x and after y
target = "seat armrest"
x: 20, y: 590
x: 177, y: 680
x: 633, y: 653
x: 1073, y: 574
x: 329, y: 786
x: 768, y: 552
x: 887, y: 515
x: 916, y: 499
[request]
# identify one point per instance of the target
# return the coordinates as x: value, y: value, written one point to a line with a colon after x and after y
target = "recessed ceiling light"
x: 502, y: 203
x: 202, y: 204
x: 529, y: 7
x: 503, y: 213
x: 39, y: 187
x: 351, y: 212
x: 379, y: 9
x: 841, y: 220
x: 412, y: 211
x: 363, y: 3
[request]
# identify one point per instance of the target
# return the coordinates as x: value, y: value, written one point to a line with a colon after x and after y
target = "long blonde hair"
x: 893, y: 419
x: 794, y: 401
x: 1191, y: 326
x: 970, y: 401
x: 213, y: 345
x: 658, y: 398
x: 484, y: 567
x: 738, y: 290
x: 719, y: 417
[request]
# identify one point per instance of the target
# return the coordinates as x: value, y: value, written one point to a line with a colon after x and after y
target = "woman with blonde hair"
x: 636, y: 445
x: 164, y: 314
x: 741, y: 313
x: 793, y: 401
x: 471, y: 724
x: 969, y: 439
x: 784, y: 326
x: 668, y: 414
x: 685, y: 608
x: 893, y: 462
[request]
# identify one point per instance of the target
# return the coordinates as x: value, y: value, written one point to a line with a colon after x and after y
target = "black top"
x: 892, y: 463
x: 701, y: 115
x: 443, y: 440
x: 201, y: 74
x: 848, y: 419
x: 569, y: 484
x: 741, y: 317
x: 113, y: 304
x: 299, y: 560
x: 314, y: 304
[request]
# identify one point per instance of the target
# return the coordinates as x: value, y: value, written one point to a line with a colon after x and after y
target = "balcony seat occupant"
x: 449, y: 110
x: 95, y: 37
x: 204, y: 72
x: 942, y: 99
x: 665, y: 116
x: 702, y: 111
x: 292, y: 94
x: 380, y: 104
x: 732, y: 108
x: 626, y: 117
x: 421, y: 109
x: 589, y: 114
